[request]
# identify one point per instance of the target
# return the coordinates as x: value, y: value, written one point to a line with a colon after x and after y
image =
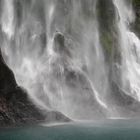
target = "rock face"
x: 136, y: 4
x: 16, y: 109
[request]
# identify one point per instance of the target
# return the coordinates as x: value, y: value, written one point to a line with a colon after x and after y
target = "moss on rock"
x: 106, y: 14
x: 107, y: 42
x: 136, y: 2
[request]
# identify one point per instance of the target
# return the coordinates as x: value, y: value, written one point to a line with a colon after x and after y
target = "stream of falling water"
x: 55, y: 52
x: 130, y: 48
x: 56, y: 55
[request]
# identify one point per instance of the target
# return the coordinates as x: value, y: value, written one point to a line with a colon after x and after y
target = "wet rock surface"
x: 136, y: 4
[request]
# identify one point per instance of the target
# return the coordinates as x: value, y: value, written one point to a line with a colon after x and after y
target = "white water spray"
x: 8, y: 18
x: 130, y: 49
x: 55, y: 78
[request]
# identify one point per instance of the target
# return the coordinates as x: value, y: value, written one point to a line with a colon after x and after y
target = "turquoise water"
x: 103, y: 130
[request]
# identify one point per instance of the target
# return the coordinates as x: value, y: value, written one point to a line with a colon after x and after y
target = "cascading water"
x: 130, y: 48
x: 67, y: 74
x: 55, y: 52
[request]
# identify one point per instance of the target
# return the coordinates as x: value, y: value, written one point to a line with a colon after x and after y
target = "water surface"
x: 103, y: 130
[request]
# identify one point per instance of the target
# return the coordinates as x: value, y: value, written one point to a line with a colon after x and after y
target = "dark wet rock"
x: 15, y: 106
x: 7, y: 79
x: 136, y: 25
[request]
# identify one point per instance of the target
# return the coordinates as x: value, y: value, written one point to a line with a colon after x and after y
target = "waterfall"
x: 55, y: 53
x: 130, y: 49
